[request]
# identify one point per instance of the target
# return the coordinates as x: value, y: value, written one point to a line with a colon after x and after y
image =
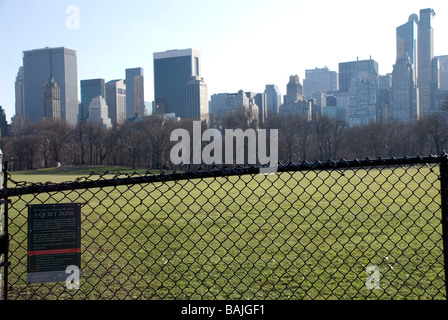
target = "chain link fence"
x: 370, y: 229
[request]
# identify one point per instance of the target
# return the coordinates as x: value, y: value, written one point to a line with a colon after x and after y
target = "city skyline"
x: 233, y: 57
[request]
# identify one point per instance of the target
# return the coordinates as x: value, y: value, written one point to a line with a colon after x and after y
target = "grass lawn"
x: 283, y: 236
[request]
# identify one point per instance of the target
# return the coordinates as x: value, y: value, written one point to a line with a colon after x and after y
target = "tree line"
x: 146, y: 143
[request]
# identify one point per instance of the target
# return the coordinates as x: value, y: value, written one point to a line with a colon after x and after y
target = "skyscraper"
x: 237, y: 100
x: 135, y: 93
x: 218, y: 103
x: 425, y: 56
x: 19, y: 89
x: 294, y: 100
x: 443, y: 76
x: 38, y: 64
x: 384, y: 92
x: 98, y: 112
x: 242, y: 101
x: 116, y: 100
x: 172, y: 70
x: 90, y: 89
x: 407, y: 40
x: 363, y: 93
x: 3, y: 123
x: 294, y: 90
x: 404, y: 104
x: 346, y: 72
x: 258, y: 99
x: 197, y: 99
x: 319, y: 80
x: 273, y: 98
x: 404, y: 99
x: 439, y: 85
x: 52, y: 99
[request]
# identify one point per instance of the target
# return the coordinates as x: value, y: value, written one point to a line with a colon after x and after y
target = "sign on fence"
x: 54, y: 241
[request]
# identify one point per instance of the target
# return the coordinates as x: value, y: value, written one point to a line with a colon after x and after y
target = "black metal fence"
x: 361, y: 229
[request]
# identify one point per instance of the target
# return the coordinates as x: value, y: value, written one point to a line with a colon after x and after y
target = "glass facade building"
x: 273, y: 98
x: 359, y: 82
x: 404, y: 100
x: 407, y: 40
x: 319, y: 80
x: 90, y: 89
x: 116, y: 100
x: 425, y: 56
x: 38, y: 65
x: 197, y: 99
x: 172, y: 70
x: 135, y: 93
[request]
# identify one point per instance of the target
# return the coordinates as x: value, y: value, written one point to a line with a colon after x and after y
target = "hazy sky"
x: 244, y: 44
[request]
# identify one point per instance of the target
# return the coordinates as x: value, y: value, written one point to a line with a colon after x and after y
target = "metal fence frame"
x: 8, y: 194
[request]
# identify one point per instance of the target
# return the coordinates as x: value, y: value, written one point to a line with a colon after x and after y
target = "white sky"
x: 244, y: 44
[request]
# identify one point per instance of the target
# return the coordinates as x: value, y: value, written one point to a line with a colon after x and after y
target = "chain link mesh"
x: 297, y: 234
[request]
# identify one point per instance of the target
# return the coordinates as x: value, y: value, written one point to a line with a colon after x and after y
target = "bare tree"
x: 132, y: 142
x: 114, y: 140
x: 53, y: 135
x: 157, y: 130
x: 80, y: 139
x: 433, y: 131
x: 328, y: 133
x: 92, y: 134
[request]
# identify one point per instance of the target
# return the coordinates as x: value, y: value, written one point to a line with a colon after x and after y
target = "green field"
x: 283, y: 236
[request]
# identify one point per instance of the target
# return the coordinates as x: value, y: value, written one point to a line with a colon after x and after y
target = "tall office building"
x: 260, y: 100
x: 19, y: 90
x: 407, y: 40
x: 346, y: 72
x: 3, y: 123
x: 404, y: 102
x: 237, y: 100
x: 425, y: 56
x: 443, y: 72
x: 240, y: 100
x: 439, y: 85
x: 294, y: 99
x: 90, y: 89
x: 197, y: 99
x: 273, y: 98
x: 98, y: 112
x: 294, y: 90
x: 38, y: 64
x: 52, y: 99
x: 172, y: 70
x: 404, y: 98
x: 363, y: 93
x: 218, y: 103
x: 116, y: 100
x: 135, y: 93
x: 384, y: 92
x: 319, y: 80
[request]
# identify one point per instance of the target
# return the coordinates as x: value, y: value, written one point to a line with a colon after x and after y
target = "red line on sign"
x: 54, y: 251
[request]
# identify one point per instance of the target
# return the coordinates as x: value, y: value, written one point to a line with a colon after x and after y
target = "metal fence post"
x: 444, y: 197
x: 1, y: 225
x: 5, y: 234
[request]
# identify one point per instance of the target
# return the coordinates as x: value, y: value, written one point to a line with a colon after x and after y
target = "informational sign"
x: 54, y: 241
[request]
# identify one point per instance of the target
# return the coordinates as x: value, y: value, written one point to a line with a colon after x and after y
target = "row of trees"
x: 146, y: 143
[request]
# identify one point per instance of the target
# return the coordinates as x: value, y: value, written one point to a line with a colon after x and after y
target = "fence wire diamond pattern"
x: 310, y: 231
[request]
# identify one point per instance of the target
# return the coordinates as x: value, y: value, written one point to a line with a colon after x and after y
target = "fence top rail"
x: 96, y: 180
